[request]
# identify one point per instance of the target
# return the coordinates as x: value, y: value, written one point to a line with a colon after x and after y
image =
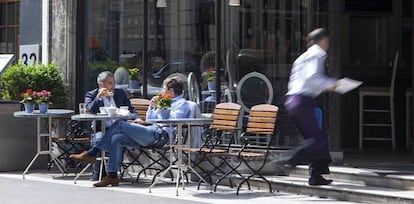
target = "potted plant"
x: 18, y: 77
x: 133, y: 75
x: 211, y: 78
x: 28, y: 100
x: 163, y: 105
x: 43, y: 100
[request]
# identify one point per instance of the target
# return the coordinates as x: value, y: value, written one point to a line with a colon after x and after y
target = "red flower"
x: 29, y: 96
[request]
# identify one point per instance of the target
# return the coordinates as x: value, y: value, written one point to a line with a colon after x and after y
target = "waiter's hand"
x: 333, y: 88
x: 154, y: 101
x: 103, y: 92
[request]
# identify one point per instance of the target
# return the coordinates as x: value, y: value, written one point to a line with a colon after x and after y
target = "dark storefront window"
x: 9, y: 26
x: 264, y: 36
x: 114, y: 37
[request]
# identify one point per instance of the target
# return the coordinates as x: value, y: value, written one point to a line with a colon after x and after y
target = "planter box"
x: 17, y: 139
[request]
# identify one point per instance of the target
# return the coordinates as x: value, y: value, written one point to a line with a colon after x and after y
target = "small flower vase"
x: 29, y: 107
x: 164, y: 113
x: 211, y: 85
x: 133, y: 84
x: 43, y: 107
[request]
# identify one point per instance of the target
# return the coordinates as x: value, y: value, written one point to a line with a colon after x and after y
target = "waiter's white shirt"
x: 308, y: 74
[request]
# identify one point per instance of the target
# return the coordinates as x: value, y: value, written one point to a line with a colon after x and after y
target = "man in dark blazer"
x: 104, y: 96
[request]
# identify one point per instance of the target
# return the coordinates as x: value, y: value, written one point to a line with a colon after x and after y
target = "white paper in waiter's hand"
x: 346, y: 84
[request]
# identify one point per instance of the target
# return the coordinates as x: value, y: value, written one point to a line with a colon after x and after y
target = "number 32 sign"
x: 29, y: 54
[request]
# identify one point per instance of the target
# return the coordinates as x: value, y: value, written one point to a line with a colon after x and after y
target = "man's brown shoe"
x: 106, y: 181
x: 83, y: 157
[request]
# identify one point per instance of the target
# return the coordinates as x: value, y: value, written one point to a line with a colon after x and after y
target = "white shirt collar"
x: 316, y: 50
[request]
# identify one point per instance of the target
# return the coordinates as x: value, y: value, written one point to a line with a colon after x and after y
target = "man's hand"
x: 154, y: 101
x: 333, y: 88
x: 138, y: 121
x: 103, y: 92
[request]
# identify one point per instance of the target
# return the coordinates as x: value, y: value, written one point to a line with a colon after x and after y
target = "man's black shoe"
x: 319, y: 181
x: 95, y: 176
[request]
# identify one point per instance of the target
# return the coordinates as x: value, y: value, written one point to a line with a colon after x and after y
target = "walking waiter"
x: 307, y: 81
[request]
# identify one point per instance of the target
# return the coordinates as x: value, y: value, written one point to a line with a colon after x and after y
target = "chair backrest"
x: 253, y: 89
x: 225, y: 116
x: 141, y: 106
x: 193, y: 90
x: 262, y: 119
x: 394, y: 72
x: 261, y: 125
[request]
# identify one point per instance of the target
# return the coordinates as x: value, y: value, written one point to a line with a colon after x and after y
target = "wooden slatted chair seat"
x: 203, y: 149
x: 247, y: 154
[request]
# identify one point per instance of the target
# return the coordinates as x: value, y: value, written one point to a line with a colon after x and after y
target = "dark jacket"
x: 121, y: 99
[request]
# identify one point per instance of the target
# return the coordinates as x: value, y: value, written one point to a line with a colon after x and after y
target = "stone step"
x: 337, y: 190
x: 403, y: 180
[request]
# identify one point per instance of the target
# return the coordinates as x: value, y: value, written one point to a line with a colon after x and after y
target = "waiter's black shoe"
x: 319, y: 181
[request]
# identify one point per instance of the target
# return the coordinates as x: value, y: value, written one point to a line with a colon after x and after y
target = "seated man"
x: 104, y: 96
x: 124, y: 134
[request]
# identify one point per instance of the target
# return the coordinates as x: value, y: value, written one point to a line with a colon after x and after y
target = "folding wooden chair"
x: 256, y: 141
x: 218, y: 138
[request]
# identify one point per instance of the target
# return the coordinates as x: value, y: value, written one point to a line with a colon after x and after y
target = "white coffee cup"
x: 102, y: 110
x: 111, y: 110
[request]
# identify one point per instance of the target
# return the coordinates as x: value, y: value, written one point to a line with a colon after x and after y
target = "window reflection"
x: 260, y: 35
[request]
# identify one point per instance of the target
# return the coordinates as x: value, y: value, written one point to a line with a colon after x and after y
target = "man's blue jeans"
x: 125, y: 134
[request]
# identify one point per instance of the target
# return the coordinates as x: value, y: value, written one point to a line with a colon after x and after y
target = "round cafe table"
x: 49, y: 115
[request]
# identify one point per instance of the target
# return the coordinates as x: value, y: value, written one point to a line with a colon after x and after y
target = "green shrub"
x: 18, y: 77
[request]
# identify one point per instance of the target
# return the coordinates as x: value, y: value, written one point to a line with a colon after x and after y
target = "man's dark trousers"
x: 315, y: 150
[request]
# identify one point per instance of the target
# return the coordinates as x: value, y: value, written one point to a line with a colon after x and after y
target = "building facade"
x: 165, y: 36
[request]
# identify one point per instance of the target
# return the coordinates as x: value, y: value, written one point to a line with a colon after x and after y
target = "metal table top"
x: 90, y: 117
x: 49, y: 113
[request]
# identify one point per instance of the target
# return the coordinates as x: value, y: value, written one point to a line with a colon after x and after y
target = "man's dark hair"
x: 176, y: 84
x: 316, y: 35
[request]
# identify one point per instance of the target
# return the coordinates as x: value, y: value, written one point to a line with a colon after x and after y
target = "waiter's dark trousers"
x: 316, y: 148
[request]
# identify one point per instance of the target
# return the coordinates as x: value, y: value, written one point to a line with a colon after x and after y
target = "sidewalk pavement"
x: 41, y: 187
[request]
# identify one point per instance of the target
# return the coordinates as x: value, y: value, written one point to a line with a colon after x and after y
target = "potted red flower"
x: 163, y: 105
x: 211, y: 78
x: 29, y: 100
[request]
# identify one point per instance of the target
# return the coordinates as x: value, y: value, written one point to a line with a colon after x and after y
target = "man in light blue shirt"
x: 125, y: 134
x: 307, y: 81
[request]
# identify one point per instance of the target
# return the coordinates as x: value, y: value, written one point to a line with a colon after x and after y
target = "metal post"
x: 218, y: 50
x: 412, y: 101
x: 145, y: 51
x: 45, y: 31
